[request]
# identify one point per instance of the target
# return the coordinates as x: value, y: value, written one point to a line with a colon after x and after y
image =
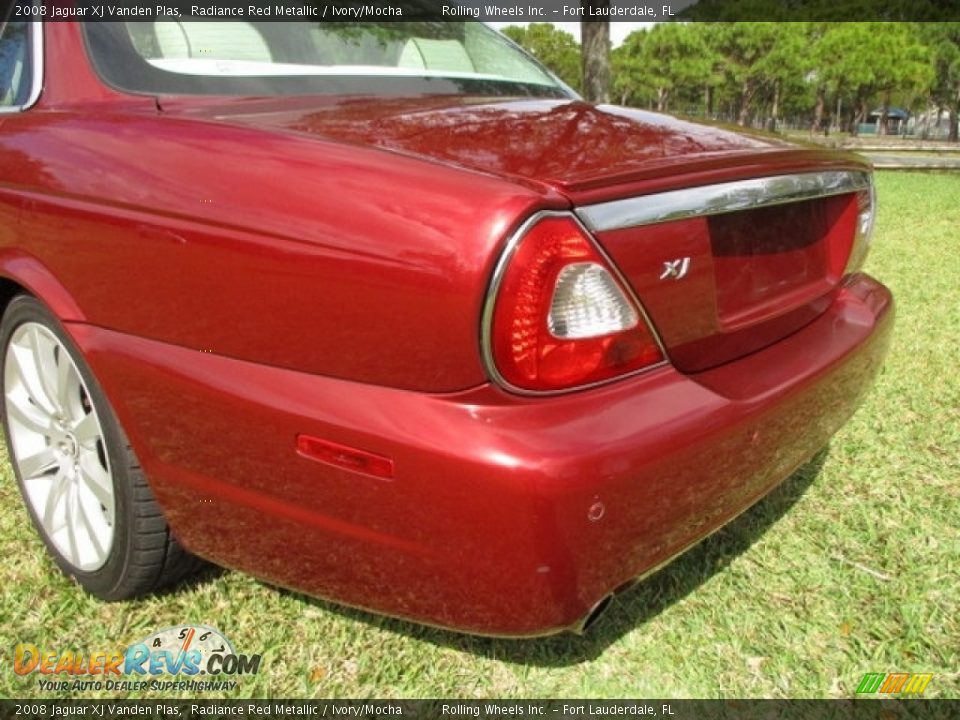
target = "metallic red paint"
x: 243, y: 272
x: 589, y: 153
x: 486, y: 524
x: 736, y: 300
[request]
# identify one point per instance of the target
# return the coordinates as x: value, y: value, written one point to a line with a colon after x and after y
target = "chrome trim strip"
x: 36, y: 72
x: 486, y: 322
x: 706, y: 200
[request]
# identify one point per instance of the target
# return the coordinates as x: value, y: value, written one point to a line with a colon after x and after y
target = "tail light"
x: 866, y: 213
x: 558, y: 316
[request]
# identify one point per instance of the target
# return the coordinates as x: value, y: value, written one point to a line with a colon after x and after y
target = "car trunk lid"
x: 583, y: 150
x: 726, y: 269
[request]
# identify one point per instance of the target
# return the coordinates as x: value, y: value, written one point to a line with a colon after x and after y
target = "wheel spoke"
x: 38, y: 464
x: 88, y: 526
x: 65, y: 373
x: 87, y: 431
x: 54, y: 498
x: 72, y: 526
x: 97, y: 481
x: 32, y: 417
x: 30, y: 378
x: 45, y: 362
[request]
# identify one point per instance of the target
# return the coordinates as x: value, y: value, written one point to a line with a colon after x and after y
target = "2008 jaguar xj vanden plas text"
x: 387, y: 314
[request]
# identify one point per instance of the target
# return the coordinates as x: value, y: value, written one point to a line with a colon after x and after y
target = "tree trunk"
x: 775, y: 109
x: 818, y: 110
x: 595, y: 55
x: 746, y: 95
x: 663, y: 99
x: 925, y: 135
x: 954, y: 119
x: 884, y: 113
x: 858, y: 117
x: 708, y: 101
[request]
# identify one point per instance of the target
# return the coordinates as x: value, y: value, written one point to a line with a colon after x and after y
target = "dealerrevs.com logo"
x: 186, y: 657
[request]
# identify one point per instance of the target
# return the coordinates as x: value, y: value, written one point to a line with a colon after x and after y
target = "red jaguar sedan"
x: 387, y: 314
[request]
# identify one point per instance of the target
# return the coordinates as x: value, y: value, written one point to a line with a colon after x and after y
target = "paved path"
x: 903, y: 161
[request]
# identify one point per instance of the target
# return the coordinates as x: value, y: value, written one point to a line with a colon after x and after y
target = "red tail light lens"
x: 561, y: 318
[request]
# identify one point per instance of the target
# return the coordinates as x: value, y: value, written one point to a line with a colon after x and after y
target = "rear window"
x: 15, y: 66
x: 209, y: 57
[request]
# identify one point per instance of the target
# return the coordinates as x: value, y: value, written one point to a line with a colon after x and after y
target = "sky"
x: 618, y: 30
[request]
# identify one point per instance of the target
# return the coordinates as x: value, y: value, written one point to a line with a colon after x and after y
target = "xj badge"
x: 675, y: 269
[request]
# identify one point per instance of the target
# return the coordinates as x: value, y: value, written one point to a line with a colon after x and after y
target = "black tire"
x: 144, y: 557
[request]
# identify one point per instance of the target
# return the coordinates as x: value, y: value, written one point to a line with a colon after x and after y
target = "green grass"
x: 851, y: 566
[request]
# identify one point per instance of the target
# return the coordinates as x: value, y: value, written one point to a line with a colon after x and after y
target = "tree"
x: 595, y: 54
x: 761, y: 72
x: 630, y: 81
x: 744, y: 47
x: 873, y: 61
x: 819, y: 75
x: 676, y: 57
x: 943, y: 39
x: 781, y: 70
x: 556, y: 49
x: 713, y: 78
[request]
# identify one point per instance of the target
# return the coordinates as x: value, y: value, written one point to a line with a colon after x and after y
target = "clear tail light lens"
x: 866, y: 214
x: 561, y: 318
x: 588, y: 303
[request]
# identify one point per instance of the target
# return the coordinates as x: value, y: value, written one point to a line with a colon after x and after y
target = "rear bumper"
x: 506, y: 515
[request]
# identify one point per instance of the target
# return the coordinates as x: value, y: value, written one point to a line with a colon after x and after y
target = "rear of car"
x: 733, y: 330
x: 505, y: 352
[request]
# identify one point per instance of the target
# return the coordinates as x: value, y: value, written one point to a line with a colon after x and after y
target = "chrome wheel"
x: 58, y: 447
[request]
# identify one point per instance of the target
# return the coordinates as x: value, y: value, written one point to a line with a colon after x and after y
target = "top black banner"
x: 487, y: 10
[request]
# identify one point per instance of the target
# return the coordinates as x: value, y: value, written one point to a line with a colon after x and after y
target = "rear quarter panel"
x: 273, y: 248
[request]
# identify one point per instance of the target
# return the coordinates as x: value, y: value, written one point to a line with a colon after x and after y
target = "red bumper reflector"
x: 345, y: 457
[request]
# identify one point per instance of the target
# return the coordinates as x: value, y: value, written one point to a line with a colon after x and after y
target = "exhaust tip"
x: 591, y: 617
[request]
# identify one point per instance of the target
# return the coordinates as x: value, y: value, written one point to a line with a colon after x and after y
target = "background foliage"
x: 763, y: 74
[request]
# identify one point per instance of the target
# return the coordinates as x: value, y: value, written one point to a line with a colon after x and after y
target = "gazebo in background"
x: 896, y: 123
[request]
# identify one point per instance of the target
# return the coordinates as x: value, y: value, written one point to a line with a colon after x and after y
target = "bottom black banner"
x: 440, y: 709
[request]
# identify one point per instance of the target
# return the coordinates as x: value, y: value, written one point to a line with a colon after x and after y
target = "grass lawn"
x: 851, y: 566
